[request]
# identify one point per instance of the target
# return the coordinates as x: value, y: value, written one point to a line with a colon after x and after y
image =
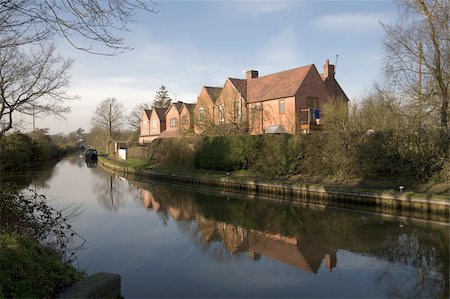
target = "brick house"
x: 157, y: 123
x: 205, y: 111
x: 289, y: 100
x: 284, y: 102
x: 187, y: 117
x: 178, y: 119
x: 144, y: 136
x: 231, y: 105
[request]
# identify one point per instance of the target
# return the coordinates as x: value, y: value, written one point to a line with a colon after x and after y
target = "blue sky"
x: 188, y: 44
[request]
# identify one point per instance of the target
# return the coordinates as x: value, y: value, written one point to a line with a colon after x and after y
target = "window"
x: 184, y: 120
x: 144, y: 126
x: 201, y: 115
x: 282, y: 106
x: 222, y: 114
x: 237, y: 110
x: 154, y: 124
x: 312, y: 103
x: 173, y: 122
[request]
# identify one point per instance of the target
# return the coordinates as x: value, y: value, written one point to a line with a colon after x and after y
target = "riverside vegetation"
x: 35, y: 239
x: 35, y: 250
x: 377, y: 151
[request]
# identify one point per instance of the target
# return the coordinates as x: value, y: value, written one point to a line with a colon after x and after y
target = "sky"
x: 189, y: 44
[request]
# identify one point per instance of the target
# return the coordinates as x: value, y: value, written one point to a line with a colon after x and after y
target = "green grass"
x: 30, y: 270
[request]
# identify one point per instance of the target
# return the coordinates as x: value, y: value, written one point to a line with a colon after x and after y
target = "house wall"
x: 312, y: 87
x: 271, y: 115
x: 145, y: 126
x: 189, y: 124
x: 228, y: 97
x: 159, y: 125
x: 172, y: 113
x: 204, y: 101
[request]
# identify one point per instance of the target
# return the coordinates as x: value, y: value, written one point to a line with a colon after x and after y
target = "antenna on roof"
x: 335, y: 63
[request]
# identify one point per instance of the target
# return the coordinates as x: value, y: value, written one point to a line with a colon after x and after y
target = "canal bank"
x: 396, y: 204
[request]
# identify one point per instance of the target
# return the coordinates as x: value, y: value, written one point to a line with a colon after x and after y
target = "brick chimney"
x: 251, y: 74
x: 328, y: 69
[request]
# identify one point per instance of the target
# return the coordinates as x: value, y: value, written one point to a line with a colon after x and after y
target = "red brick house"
x: 287, y: 101
x: 187, y: 117
x: 144, y: 136
x: 231, y: 105
x: 205, y: 111
x: 284, y: 102
x: 179, y: 120
x: 157, y: 122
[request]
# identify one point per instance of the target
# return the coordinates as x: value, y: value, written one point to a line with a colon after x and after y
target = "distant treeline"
x: 23, y: 150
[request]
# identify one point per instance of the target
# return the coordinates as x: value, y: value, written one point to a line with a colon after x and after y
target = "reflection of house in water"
x: 238, y: 240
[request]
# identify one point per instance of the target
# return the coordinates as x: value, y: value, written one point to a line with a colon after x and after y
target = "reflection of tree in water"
x: 429, y: 274
x: 308, y: 237
x: 77, y: 159
x: 111, y: 190
x: 38, y: 176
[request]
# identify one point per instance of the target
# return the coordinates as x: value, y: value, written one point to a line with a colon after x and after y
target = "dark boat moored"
x: 90, y: 154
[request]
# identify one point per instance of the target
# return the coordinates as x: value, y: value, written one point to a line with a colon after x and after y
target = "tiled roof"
x: 278, y: 85
x: 189, y: 106
x: 148, y: 112
x: 213, y: 92
x: 178, y: 105
x: 169, y: 134
x: 241, y: 86
x: 161, y: 112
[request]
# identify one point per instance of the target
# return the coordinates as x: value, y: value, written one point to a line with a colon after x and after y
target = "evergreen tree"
x: 162, y: 99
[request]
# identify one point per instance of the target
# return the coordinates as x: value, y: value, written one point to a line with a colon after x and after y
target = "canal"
x: 174, y: 241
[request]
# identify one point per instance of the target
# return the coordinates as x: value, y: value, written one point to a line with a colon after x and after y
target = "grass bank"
x: 28, y: 270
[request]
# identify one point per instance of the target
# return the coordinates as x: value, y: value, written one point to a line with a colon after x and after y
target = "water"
x: 173, y: 241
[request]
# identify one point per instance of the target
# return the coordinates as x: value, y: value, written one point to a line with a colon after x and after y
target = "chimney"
x: 328, y: 69
x: 251, y: 74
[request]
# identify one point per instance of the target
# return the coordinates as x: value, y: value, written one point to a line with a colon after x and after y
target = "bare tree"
x: 83, y: 23
x: 33, y: 82
x: 418, y: 57
x: 134, y: 119
x: 109, y: 116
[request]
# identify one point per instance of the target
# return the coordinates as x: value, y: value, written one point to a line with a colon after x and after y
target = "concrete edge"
x: 98, y: 285
x: 417, y: 204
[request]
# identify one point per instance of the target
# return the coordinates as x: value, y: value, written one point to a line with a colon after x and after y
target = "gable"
x: 312, y: 82
x: 212, y: 92
x: 159, y: 113
x: 146, y: 114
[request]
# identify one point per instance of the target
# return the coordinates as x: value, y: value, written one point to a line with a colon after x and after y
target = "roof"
x: 148, y: 112
x: 275, y: 129
x: 188, y: 106
x: 213, y: 92
x: 278, y: 85
x: 240, y: 85
x: 169, y: 134
x: 161, y: 112
x: 178, y: 105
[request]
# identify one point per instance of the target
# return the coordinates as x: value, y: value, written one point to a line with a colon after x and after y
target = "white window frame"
x: 201, y: 114
x: 282, y: 104
x: 222, y: 114
x: 154, y: 125
x: 173, y: 122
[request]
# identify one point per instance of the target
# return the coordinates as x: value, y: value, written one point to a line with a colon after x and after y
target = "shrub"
x: 225, y: 153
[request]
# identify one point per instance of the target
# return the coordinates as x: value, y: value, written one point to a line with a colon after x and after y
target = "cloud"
x: 345, y: 23
x: 261, y: 8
